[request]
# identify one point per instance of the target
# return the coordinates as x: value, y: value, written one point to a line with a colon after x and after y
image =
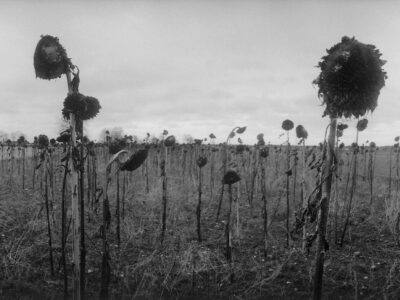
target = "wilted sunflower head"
x: 287, y: 125
x: 372, y: 145
x: 212, y: 136
x: 231, y: 177
x: 64, y: 137
x: 301, y: 132
x: 135, y: 160
x: 92, y: 108
x: 397, y: 138
x: 170, y: 141
x: 84, y: 107
x: 43, y: 141
x: 240, y: 130
x: 50, y: 59
x: 341, y: 146
x: 351, y: 78
x: 198, y: 141
x: 264, y: 152
x: 362, y: 124
x: 201, y: 161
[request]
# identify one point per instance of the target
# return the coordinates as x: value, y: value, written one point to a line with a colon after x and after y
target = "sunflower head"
x: 84, y: 107
x: 201, y: 161
x: 362, y: 124
x: 231, y: 177
x: 50, y: 59
x: 351, y: 78
x: 287, y: 125
x: 170, y: 141
x: 135, y: 160
x: 301, y: 132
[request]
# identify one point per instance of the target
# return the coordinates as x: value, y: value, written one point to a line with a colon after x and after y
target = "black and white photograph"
x: 199, y: 149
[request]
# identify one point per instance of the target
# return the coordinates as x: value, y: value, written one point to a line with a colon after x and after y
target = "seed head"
x: 301, y: 132
x: 50, y: 59
x: 135, y: 160
x: 231, y: 177
x: 362, y: 124
x: 351, y: 78
x: 287, y: 125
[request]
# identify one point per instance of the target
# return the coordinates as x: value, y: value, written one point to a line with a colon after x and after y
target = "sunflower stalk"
x: 74, y: 181
x: 324, y: 212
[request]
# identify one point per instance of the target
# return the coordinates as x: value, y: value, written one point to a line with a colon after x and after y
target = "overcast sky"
x: 193, y: 67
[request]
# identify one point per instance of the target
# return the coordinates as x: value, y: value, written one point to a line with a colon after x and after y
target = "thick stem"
x: 82, y: 247
x: 74, y: 204
x: 324, y: 212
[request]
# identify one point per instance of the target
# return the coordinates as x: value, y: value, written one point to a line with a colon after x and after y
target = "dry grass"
x: 367, y: 268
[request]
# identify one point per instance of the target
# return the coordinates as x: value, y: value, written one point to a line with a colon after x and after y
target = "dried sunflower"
x: 351, y: 78
x: 287, y: 125
x: 301, y: 132
x: 231, y: 177
x: 135, y: 160
x: 50, y: 59
x: 201, y: 161
x: 84, y: 107
x: 362, y: 124
x: 264, y: 152
x: 92, y: 108
x: 170, y: 141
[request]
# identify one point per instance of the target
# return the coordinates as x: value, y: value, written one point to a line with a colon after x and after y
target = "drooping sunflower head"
x: 351, y: 78
x: 50, y: 59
